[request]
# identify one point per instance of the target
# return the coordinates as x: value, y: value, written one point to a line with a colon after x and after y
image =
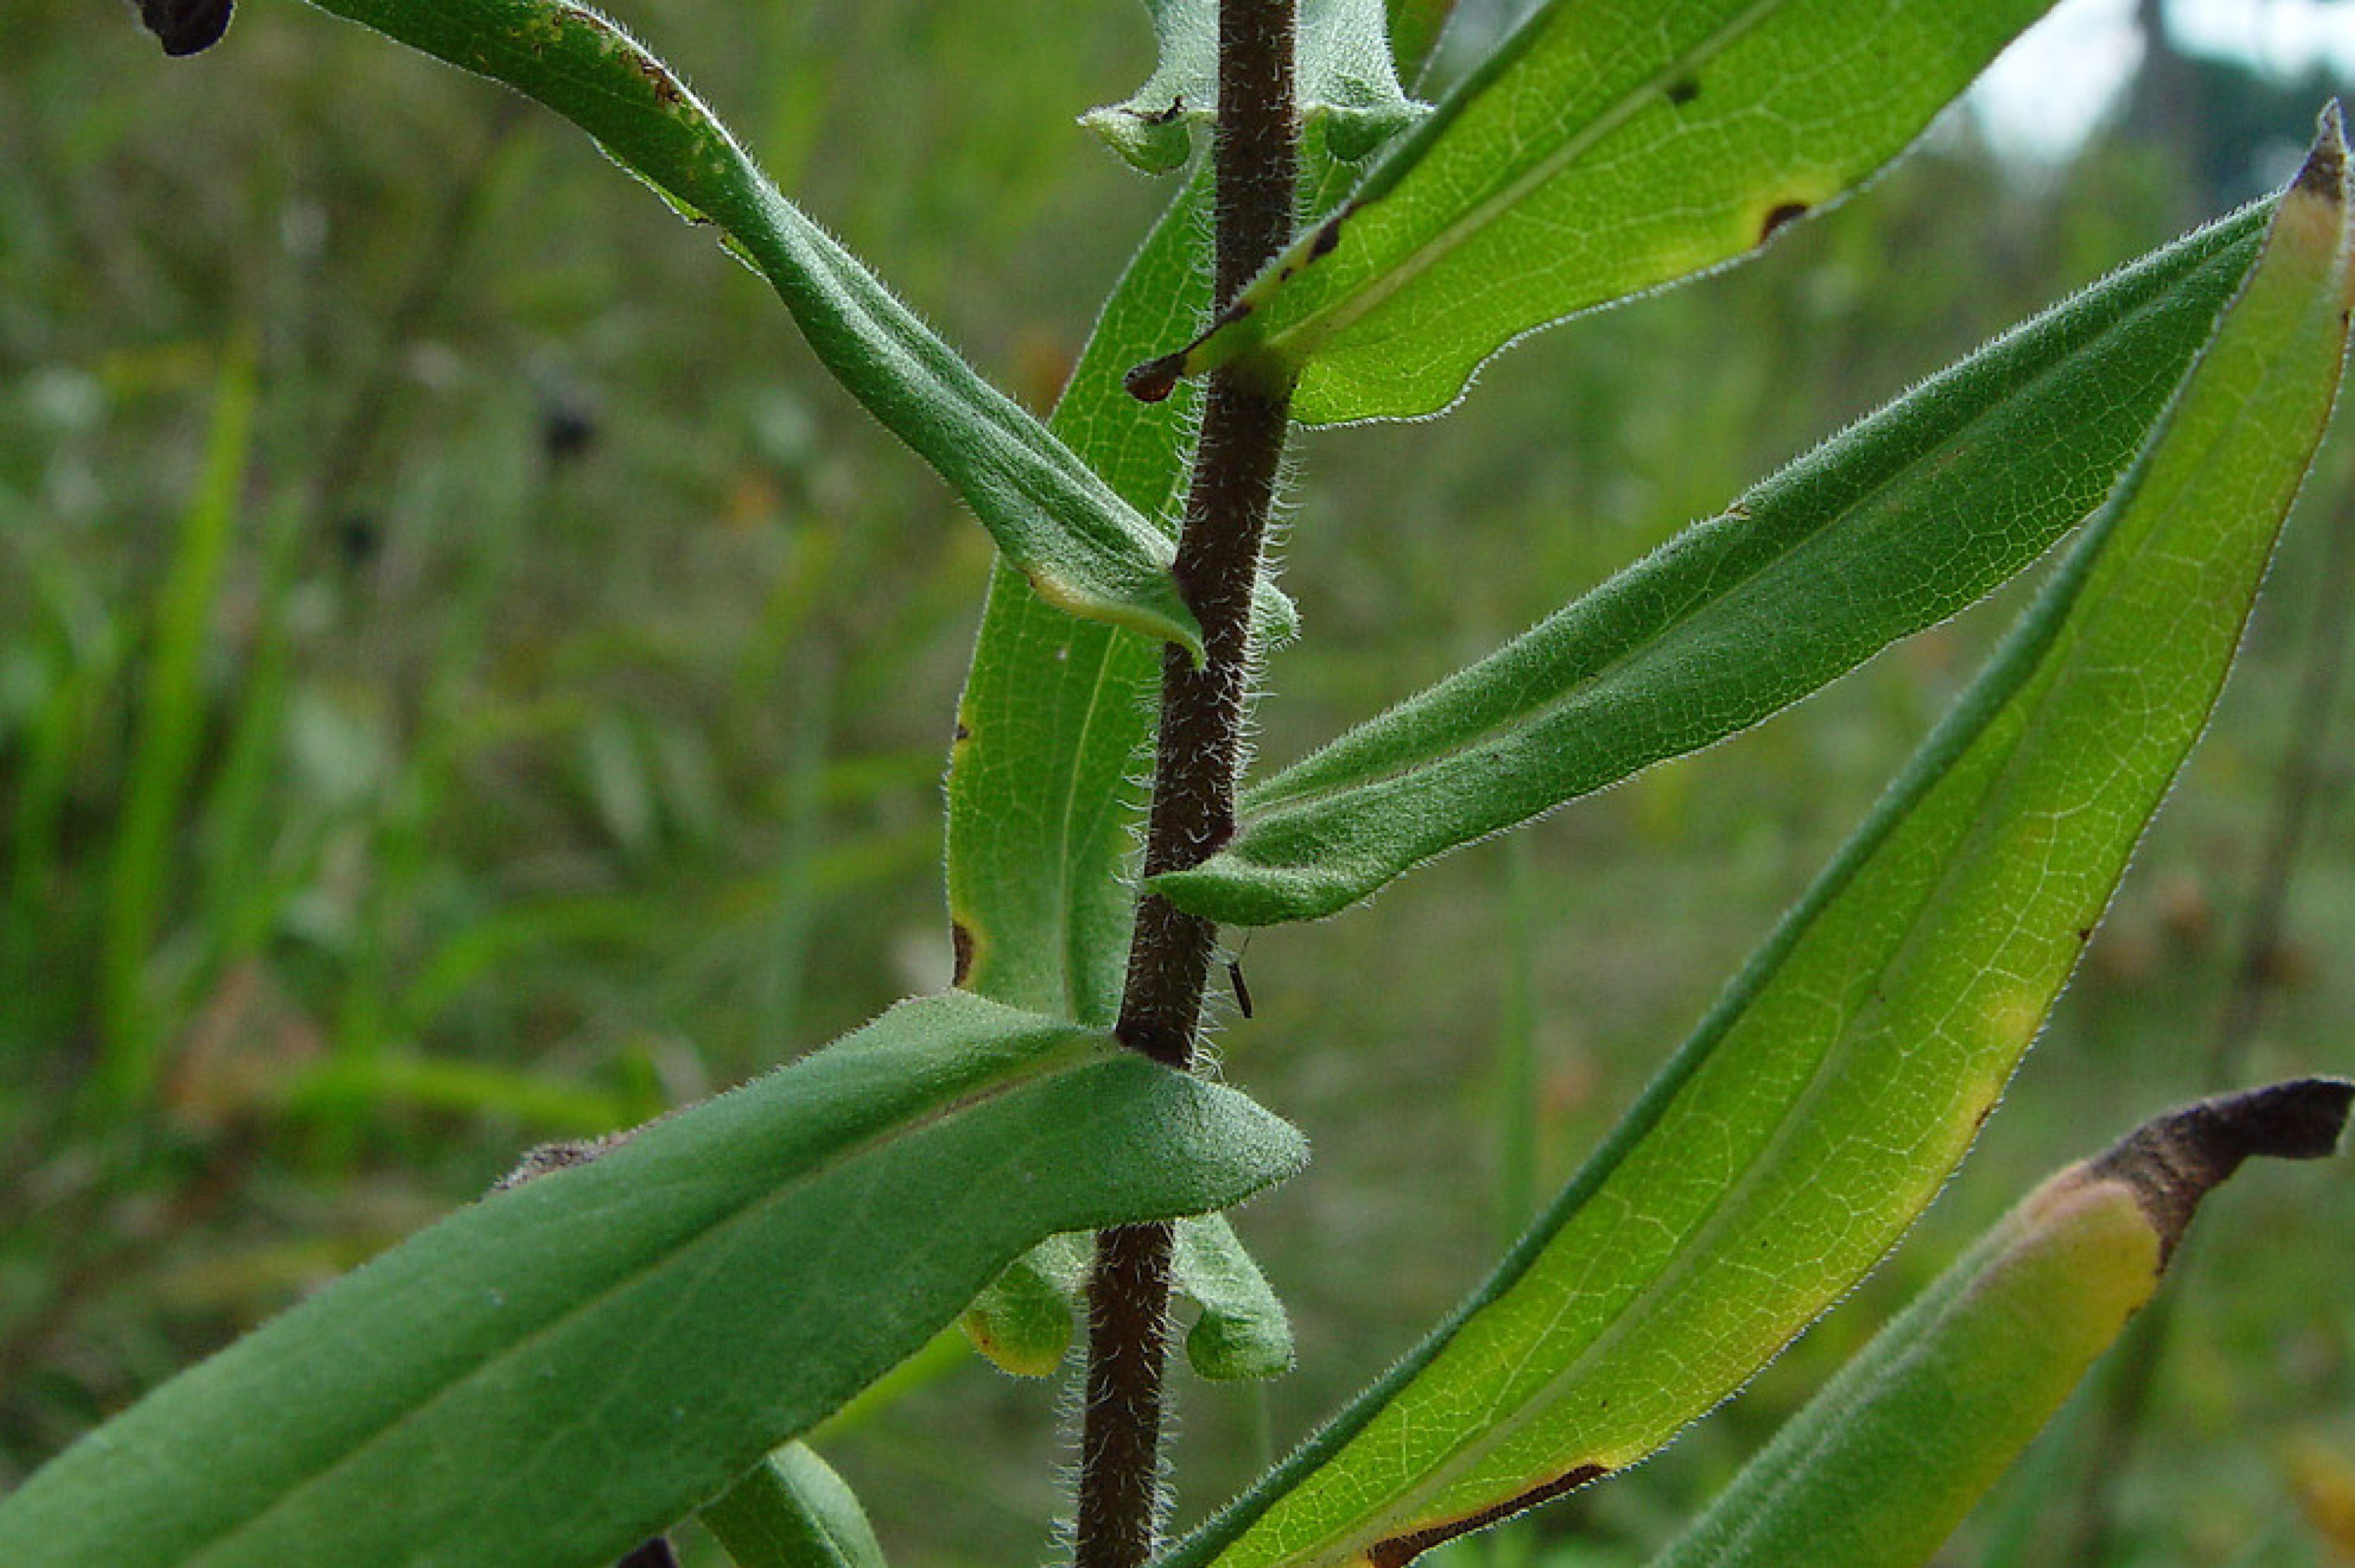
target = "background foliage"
x: 531, y: 717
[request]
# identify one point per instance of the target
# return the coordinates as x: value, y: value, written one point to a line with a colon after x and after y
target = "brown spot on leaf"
x: 667, y: 92
x: 1780, y: 216
x: 560, y: 1155
x: 1683, y: 90
x: 1327, y: 237
x: 1164, y: 116
x: 2172, y: 1162
x: 1399, y: 1549
x: 963, y: 733
x: 960, y: 945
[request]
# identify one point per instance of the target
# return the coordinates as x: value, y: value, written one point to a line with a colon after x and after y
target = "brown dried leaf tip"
x: 2324, y: 173
x: 655, y: 1553
x: 185, y: 27
x: 2171, y: 1161
x: 1156, y: 378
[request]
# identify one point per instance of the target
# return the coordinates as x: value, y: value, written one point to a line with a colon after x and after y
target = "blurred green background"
x: 467, y: 678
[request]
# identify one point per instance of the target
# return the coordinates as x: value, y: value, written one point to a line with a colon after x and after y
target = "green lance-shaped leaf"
x: 554, y: 1373
x: 1346, y: 86
x: 1068, y: 532
x: 1886, y: 1460
x: 1607, y: 146
x: 1825, y: 1099
x: 1056, y: 711
x: 1886, y: 528
x: 793, y: 1511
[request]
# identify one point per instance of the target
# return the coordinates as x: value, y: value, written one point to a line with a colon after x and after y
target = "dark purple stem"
x: 1196, y: 758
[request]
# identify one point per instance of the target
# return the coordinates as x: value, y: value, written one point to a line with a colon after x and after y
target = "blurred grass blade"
x: 552, y: 1375
x: 162, y: 757
x: 1082, y: 547
x: 1881, y: 1465
x: 793, y: 1511
x: 1608, y: 147
x: 365, y: 1088
x: 1828, y: 1094
x: 1347, y: 89
x: 1886, y: 528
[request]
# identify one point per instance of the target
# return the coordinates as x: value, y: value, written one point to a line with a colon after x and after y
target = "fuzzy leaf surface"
x: 1607, y: 147
x: 554, y: 1373
x: 1024, y: 1320
x: 1068, y: 532
x: 793, y: 1511
x: 1825, y: 1099
x: 1886, y: 528
x: 1042, y: 799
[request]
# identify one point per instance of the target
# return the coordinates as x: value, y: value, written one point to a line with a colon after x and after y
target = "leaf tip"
x: 186, y: 27
x: 2324, y: 173
x: 1154, y: 380
x: 2172, y: 1162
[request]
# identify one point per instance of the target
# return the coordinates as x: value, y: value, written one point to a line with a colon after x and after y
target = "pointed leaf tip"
x: 186, y: 27
x: 2324, y: 173
x: 2171, y: 1161
x: 1154, y: 380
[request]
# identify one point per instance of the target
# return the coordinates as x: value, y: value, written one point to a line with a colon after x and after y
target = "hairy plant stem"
x: 1196, y: 758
